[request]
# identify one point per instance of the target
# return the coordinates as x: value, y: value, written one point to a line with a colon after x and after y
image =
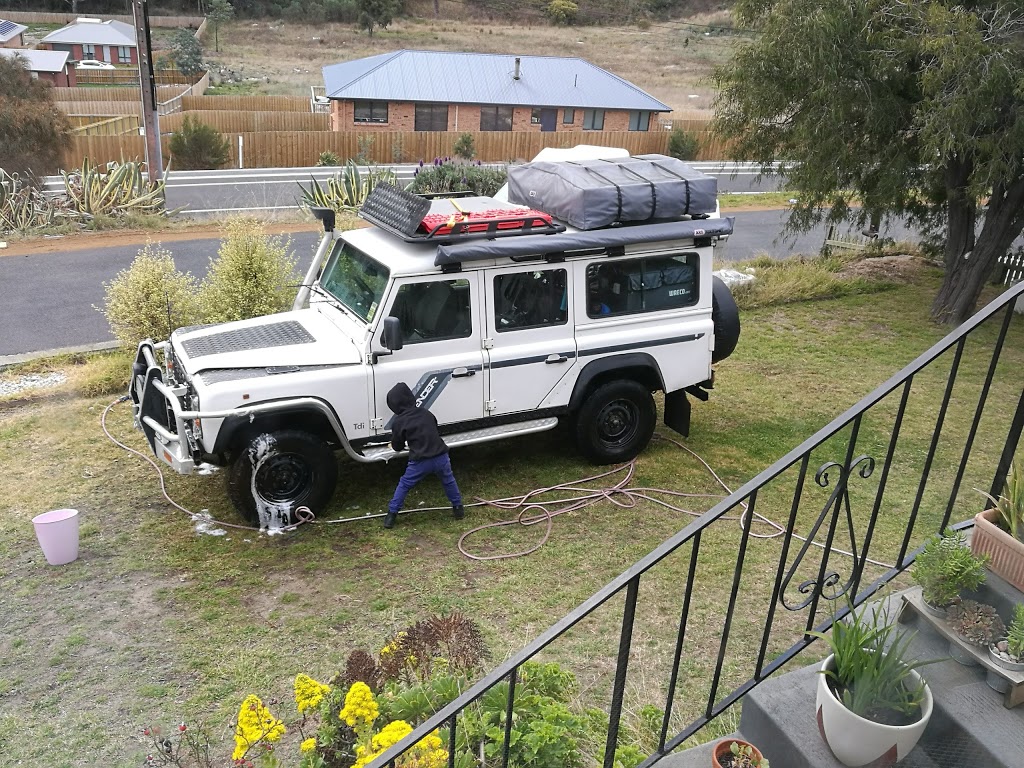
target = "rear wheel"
x: 616, y: 421
x: 275, y: 473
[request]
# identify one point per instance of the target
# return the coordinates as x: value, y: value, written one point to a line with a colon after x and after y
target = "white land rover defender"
x: 501, y: 319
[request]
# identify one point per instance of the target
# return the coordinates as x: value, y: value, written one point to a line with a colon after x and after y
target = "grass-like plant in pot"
x: 872, y: 704
x: 1008, y: 652
x: 999, y: 530
x: 945, y: 567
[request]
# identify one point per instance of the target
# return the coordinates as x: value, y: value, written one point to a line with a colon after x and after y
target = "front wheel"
x: 275, y: 473
x: 616, y: 422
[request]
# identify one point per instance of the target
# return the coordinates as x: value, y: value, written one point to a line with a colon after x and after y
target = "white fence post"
x: 240, y: 163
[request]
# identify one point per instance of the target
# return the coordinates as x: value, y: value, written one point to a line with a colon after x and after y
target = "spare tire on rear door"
x: 726, y: 317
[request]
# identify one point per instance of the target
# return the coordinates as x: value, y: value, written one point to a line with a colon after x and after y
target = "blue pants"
x: 417, y: 470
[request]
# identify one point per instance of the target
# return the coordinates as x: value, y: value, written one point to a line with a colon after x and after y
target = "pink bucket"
x: 57, y: 532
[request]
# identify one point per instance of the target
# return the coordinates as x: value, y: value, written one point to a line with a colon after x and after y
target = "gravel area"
x: 31, y: 381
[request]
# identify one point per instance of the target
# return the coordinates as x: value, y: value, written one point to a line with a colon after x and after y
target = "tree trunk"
x: 437, y: 8
x: 969, y: 263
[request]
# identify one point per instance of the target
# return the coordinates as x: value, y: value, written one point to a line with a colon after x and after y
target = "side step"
x: 384, y: 452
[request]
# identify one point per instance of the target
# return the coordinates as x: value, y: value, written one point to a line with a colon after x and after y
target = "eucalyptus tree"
x: 907, y: 107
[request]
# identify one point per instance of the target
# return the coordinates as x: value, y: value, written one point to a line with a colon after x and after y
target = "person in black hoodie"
x: 428, y: 454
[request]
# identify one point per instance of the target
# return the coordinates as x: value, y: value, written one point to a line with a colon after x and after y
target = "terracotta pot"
x: 723, y: 748
x: 1005, y: 552
x: 857, y: 741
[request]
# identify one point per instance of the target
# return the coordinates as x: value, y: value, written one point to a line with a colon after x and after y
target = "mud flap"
x: 677, y: 412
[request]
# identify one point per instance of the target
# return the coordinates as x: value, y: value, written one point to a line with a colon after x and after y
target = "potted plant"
x: 998, y: 531
x: 945, y: 567
x: 872, y: 704
x: 977, y: 624
x: 1008, y: 652
x: 733, y: 753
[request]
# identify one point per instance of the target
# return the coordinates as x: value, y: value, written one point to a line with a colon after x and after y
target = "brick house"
x: 111, y: 41
x: 51, y: 66
x: 441, y: 91
x: 12, y: 34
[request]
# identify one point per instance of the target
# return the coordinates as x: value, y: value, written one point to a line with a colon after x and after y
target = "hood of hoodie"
x: 400, y: 398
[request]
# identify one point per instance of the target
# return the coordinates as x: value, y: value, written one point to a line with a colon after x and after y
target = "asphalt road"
x: 48, y: 301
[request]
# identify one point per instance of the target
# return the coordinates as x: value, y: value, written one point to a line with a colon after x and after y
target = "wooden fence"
x: 129, y: 76
x: 281, y: 149
x: 100, y: 108
x: 230, y: 122
x: 110, y: 126
x: 164, y: 92
x: 247, y: 103
x: 31, y: 17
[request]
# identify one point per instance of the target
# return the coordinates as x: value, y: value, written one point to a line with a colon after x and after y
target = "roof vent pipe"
x: 516, y: 75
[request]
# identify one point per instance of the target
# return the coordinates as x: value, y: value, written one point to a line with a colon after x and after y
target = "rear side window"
x: 649, y: 284
x: 530, y: 300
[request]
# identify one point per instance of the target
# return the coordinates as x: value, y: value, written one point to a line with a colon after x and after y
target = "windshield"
x: 354, y: 279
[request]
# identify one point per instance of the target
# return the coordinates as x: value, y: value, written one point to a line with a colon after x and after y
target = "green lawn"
x: 155, y: 623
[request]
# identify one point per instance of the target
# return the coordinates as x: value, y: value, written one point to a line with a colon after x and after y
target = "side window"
x: 530, y: 300
x: 642, y: 285
x: 434, y: 311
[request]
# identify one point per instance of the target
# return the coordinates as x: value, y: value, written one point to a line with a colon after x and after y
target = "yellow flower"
x: 389, y: 735
x: 427, y: 753
x: 391, y: 647
x: 255, y: 724
x: 309, y: 693
x: 308, y: 745
x: 360, y: 707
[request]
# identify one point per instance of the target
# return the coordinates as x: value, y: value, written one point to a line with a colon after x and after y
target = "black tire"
x: 615, y: 422
x: 726, y: 317
x: 293, y: 469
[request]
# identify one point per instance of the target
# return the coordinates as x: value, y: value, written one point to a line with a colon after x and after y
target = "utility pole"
x: 147, y: 83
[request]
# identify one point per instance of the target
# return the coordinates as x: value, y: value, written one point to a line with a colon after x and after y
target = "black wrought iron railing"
x: 902, y: 464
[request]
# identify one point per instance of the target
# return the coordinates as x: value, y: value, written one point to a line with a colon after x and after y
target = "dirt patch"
x: 899, y: 268
x: 90, y: 240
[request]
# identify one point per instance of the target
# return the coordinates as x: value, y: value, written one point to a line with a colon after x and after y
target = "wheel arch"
x: 637, y: 366
x: 314, y: 417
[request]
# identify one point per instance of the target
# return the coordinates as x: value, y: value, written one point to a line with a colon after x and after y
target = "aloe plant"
x: 346, y: 190
x: 1010, y: 504
x: 112, y: 189
x: 23, y: 208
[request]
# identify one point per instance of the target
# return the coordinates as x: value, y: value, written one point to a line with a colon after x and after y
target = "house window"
x: 370, y: 112
x: 431, y: 117
x: 535, y: 116
x: 593, y: 119
x: 568, y: 116
x: 88, y: 51
x: 639, y: 120
x: 124, y: 54
x: 495, y: 118
x: 631, y: 286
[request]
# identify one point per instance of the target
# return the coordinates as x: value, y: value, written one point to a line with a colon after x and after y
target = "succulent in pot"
x: 1008, y: 652
x: 977, y: 623
x: 733, y: 753
x: 999, y: 530
x: 944, y: 568
x: 872, y: 704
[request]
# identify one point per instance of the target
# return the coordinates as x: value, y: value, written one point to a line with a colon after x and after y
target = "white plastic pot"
x: 57, y: 532
x: 856, y: 741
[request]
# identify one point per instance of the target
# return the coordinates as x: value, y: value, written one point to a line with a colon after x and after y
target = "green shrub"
x: 150, y: 298
x: 345, y: 11
x: 562, y: 11
x: 198, y: 147
x: 465, y: 146
x: 253, y: 274
x: 447, y: 176
x: 328, y: 158
x: 946, y: 566
x: 683, y: 145
x: 186, y: 52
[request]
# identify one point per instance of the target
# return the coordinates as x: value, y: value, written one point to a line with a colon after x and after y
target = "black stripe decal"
x: 641, y: 345
x: 529, y: 360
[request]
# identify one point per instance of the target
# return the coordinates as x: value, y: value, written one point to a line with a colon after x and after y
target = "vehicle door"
x: 529, y: 337
x: 442, y: 357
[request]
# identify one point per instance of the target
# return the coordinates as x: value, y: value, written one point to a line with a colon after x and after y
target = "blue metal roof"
x: 484, y: 78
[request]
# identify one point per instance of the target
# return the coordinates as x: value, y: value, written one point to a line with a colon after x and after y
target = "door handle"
x: 461, y: 373
x: 556, y: 359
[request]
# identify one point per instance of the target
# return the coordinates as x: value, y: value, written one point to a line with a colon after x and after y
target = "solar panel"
x: 6, y: 26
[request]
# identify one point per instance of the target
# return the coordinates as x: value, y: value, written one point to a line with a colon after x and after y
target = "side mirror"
x: 392, y: 335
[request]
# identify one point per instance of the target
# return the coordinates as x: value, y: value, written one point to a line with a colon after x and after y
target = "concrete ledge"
x: 9, y: 360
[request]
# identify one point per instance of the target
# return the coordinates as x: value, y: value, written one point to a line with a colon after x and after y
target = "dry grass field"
x: 669, y: 60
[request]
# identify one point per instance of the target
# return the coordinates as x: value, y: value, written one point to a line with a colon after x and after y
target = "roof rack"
x: 415, y: 219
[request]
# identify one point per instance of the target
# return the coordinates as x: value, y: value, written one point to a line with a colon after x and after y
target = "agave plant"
x: 977, y: 623
x: 112, y: 189
x: 23, y: 208
x: 347, y: 189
